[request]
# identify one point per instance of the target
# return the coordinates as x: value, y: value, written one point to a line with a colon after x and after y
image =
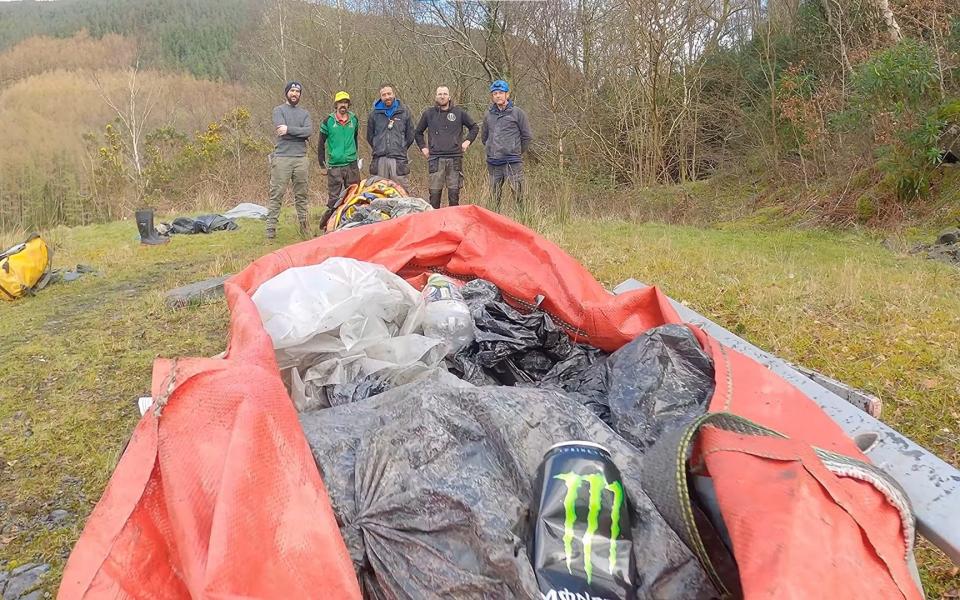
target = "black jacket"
x: 386, y: 140
x: 446, y: 130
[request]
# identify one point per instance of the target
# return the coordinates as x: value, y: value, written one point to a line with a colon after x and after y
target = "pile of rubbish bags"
x: 198, y: 224
x: 429, y: 411
x: 373, y: 200
x: 213, y: 222
x: 424, y: 475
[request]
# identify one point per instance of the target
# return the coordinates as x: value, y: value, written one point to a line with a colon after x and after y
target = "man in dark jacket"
x: 337, y: 151
x: 292, y: 126
x: 390, y: 134
x: 445, y: 124
x: 507, y: 136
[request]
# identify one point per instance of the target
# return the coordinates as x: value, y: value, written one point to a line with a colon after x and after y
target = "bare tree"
x: 281, y: 39
x: 893, y: 28
x: 272, y: 51
x: 835, y: 19
x: 552, y: 57
x: 133, y: 109
x: 479, y: 31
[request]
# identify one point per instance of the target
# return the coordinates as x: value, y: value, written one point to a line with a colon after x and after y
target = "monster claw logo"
x: 598, y: 484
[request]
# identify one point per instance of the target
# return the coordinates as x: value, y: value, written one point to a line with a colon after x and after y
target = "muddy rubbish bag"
x: 660, y: 381
x: 432, y: 487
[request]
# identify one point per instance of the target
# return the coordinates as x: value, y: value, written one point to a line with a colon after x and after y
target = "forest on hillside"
x: 106, y: 105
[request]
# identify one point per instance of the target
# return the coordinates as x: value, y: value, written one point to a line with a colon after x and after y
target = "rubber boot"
x: 324, y: 219
x: 453, y: 196
x: 435, y: 196
x: 518, y: 195
x: 304, y: 229
x: 148, y: 234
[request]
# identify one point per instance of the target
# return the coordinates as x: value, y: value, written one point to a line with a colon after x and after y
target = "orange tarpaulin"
x: 218, y: 495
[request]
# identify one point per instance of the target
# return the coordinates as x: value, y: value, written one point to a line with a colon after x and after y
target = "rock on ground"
x: 58, y: 516
x: 195, y: 293
x: 945, y: 249
x: 21, y: 580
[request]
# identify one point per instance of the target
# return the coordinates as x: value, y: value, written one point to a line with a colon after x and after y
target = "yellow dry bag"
x: 24, y: 268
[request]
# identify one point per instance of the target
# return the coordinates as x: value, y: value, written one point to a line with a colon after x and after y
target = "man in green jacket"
x: 338, y: 152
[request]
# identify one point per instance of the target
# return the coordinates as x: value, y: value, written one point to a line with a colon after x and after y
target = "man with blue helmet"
x: 507, y: 136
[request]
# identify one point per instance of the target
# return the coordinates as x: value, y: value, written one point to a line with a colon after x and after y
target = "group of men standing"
x: 449, y: 131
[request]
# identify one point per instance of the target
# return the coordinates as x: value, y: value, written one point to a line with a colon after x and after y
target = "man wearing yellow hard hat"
x: 337, y: 151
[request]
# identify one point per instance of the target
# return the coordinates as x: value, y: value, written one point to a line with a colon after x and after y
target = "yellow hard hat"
x: 341, y: 96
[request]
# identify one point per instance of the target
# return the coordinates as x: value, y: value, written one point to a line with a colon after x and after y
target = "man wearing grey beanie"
x: 288, y: 162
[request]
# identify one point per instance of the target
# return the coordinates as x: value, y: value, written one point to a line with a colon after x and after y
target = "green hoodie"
x: 339, y: 141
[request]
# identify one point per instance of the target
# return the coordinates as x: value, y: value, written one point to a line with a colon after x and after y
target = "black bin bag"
x: 432, y: 484
x: 659, y: 381
x: 517, y: 348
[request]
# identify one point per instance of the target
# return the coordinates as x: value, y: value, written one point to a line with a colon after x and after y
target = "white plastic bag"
x: 344, y: 321
x: 353, y: 300
x: 398, y: 359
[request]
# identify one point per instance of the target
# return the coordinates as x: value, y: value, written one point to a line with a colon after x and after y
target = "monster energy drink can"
x: 582, y: 548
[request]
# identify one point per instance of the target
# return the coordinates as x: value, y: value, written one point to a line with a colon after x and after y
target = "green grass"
x: 76, y: 356
x: 837, y: 303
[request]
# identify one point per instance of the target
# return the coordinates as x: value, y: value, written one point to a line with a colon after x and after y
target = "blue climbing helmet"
x: 499, y: 86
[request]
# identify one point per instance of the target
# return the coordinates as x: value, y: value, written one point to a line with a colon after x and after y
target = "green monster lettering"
x: 570, y: 506
x: 597, y: 485
x: 616, y: 488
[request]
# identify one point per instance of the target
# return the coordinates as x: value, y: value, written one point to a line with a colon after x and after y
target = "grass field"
x: 76, y: 356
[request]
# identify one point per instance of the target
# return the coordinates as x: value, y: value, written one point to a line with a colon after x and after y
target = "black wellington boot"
x: 304, y: 229
x: 435, y: 196
x: 149, y: 235
x: 453, y: 196
x: 327, y: 213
